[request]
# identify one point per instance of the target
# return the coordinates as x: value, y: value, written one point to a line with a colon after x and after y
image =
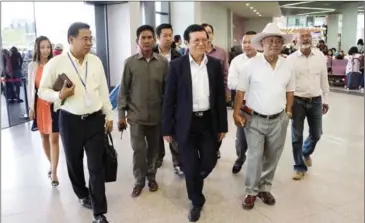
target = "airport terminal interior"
x: 332, y: 190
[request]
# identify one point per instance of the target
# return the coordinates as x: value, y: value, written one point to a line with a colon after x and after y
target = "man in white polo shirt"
x: 270, y: 86
x: 85, y: 115
x: 233, y: 75
x: 310, y: 100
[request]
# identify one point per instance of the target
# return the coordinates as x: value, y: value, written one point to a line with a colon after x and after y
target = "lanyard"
x: 73, y: 64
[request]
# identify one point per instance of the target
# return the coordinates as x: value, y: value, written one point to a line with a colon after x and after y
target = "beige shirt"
x: 96, y: 91
x: 311, y: 77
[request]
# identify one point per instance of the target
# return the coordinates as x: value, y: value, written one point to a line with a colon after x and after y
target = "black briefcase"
x: 110, y: 159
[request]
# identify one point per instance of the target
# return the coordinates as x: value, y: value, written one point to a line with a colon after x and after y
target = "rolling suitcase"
x: 353, y: 80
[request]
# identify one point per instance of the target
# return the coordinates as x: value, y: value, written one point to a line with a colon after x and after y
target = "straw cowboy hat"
x: 271, y: 29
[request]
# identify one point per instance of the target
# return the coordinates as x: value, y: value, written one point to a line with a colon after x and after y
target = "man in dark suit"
x: 164, y: 33
x: 194, y: 111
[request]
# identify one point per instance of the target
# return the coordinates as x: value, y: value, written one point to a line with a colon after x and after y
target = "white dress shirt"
x: 84, y: 101
x: 167, y: 56
x: 264, y: 86
x: 200, y: 84
x: 311, y: 77
x: 234, y: 69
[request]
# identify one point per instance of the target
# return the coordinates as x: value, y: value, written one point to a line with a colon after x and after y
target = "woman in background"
x: 45, y: 119
x: 353, y: 73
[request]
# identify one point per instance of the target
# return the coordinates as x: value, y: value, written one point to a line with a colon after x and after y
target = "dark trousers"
x: 312, y: 110
x: 199, y: 156
x: 145, y: 142
x: 176, y: 160
x: 87, y: 134
x: 241, y: 146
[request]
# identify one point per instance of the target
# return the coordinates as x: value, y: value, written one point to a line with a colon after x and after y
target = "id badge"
x: 88, y: 101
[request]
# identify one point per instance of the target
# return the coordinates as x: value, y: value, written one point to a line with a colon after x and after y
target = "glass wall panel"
x: 55, y: 27
x: 21, y: 23
x: 17, y: 30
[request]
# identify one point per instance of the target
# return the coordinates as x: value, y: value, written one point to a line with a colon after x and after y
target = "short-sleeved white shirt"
x: 266, y: 87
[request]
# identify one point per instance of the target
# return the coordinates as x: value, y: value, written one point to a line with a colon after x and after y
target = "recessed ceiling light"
x: 251, y: 7
x: 255, y: 10
x: 247, y: 4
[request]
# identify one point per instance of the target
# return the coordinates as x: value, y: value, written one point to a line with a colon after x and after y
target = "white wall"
x: 182, y: 15
x: 256, y: 24
x: 217, y: 16
x: 123, y: 21
x: 119, y: 39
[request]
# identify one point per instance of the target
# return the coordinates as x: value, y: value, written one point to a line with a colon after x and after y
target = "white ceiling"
x: 266, y: 9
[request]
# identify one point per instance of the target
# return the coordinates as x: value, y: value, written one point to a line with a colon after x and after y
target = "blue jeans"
x: 312, y: 110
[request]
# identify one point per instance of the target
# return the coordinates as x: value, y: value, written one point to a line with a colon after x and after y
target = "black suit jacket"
x: 174, y: 53
x: 178, y: 99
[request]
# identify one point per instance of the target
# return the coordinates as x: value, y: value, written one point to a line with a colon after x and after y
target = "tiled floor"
x: 333, y: 191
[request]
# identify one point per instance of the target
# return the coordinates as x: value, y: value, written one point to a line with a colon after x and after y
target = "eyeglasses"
x: 198, y: 41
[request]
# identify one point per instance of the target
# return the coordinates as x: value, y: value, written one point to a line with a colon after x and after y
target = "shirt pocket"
x: 93, y: 83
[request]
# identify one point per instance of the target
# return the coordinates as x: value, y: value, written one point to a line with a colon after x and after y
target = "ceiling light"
x: 311, y: 13
x: 251, y: 7
x: 247, y: 4
x: 310, y: 8
x: 255, y: 10
x: 259, y: 15
x: 297, y: 3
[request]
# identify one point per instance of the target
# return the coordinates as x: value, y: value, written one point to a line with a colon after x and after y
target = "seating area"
x: 337, y: 72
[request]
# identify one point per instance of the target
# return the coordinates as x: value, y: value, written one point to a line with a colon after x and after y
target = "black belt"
x: 309, y: 100
x: 201, y: 114
x: 267, y: 116
x: 84, y: 117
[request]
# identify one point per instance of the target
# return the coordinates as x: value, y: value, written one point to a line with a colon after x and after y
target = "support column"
x: 333, y: 30
x: 349, y: 25
x: 149, y: 13
x: 101, y: 35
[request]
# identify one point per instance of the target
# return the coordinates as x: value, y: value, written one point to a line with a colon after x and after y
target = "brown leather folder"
x: 57, y: 86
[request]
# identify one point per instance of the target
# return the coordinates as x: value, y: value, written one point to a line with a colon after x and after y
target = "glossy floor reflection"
x: 332, y: 192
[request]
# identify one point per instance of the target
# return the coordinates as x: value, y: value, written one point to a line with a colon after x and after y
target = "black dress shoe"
x: 100, y: 219
x: 194, y: 214
x: 236, y: 169
x: 86, y: 202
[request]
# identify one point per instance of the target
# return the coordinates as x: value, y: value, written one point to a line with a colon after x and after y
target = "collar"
x: 214, y: 48
x: 76, y: 60
x: 140, y: 56
x: 204, y: 61
x: 313, y: 52
x: 257, y: 54
x: 280, y: 59
x: 159, y: 50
